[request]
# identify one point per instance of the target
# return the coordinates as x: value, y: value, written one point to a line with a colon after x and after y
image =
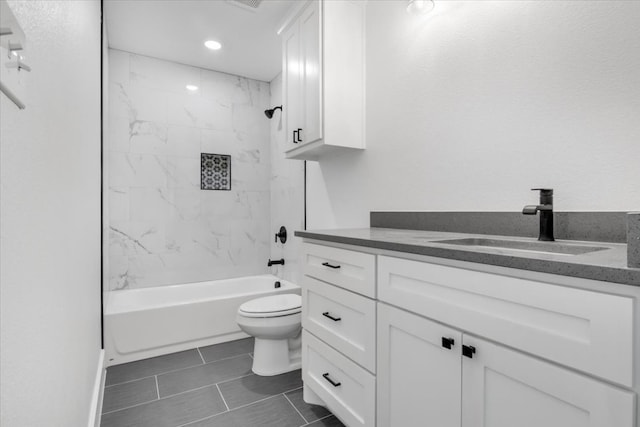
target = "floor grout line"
x: 222, y: 396
x: 162, y: 398
x: 230, y: 410
x: 209, y: 385
x: 179, y: 369
x: 294, y: 407
x: 202, y: 358
x: 319, y: 419
x: 157, y: 387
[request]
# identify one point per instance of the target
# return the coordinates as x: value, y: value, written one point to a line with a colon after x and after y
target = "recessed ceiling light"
x: 212, y: 44
x: 192, y: 88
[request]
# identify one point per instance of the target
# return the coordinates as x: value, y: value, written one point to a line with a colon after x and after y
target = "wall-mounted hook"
x: 19, y: 64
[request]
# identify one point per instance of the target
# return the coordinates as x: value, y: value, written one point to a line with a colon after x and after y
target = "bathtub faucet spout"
x: 275, y: 262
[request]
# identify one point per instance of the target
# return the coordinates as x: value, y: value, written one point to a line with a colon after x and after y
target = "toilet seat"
x: 272, y: 306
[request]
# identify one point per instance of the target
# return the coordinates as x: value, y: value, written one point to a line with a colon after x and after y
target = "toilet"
x: 274, y: 322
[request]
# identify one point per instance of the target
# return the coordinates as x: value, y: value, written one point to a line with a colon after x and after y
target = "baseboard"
x: 95, y: 410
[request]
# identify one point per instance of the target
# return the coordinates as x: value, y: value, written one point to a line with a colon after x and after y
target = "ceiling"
x: 175, y: 30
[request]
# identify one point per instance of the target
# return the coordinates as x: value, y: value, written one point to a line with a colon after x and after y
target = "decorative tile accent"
x: 215, y: 171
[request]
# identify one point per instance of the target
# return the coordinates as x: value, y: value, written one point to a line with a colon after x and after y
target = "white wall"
x: 50, y: 229
x: 163, y: 228
x: 470, y: 107
x: 287, y: 193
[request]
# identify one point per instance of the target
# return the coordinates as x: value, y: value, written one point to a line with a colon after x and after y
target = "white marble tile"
x: 221, y: 87
x: 162, y: 75
x: 120, y: 104
x: 163, y: 228
x: 118, y: 66
x: 148, y: 104
x: 196, y: 111
x: 250, y: 119
x: 185, y: 203
x: 148, y: 137
x: 183, y: 141
x: 119, y: 277
x: 119, y: 135
x: 118, y: 203
x: 137, y: 170
x: 184, y: 173
x: 150, y: 204
x: 136, y: 238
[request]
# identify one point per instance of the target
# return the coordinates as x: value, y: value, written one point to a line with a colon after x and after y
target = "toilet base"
x: 274, y: 357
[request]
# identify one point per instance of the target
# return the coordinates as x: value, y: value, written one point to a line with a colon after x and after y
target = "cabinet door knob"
x: 335, y: 319
x: 332, y: 382
x: 295, y: 136
x: 299, y: 138
x: 468, y: 351
x: 448, y: 342
x: 326, y: 264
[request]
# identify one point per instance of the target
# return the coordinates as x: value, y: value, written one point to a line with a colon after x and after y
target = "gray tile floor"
x: 206, y: 387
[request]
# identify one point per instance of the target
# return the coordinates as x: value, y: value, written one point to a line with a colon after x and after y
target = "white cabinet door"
x: 311, y: 60
x: 419, y: 379
x: 506, y: 388
x: 292, y: 77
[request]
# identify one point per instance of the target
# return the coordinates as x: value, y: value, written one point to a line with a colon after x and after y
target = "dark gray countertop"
x: 609, y: 264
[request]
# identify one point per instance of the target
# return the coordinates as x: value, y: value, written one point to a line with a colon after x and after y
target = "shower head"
x: 269, y: 113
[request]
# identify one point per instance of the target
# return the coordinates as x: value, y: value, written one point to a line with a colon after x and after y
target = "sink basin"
x: 528, y: 246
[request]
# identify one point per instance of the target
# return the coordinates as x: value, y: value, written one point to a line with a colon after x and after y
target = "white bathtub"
x: 142, y: 323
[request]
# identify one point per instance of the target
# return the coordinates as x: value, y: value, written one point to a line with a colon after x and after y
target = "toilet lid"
x: 276, y: 305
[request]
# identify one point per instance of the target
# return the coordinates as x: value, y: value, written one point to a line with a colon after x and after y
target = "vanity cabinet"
x: 460, y: 347
x: 323, y: 78
x: 428, y: 371
x: 339, y: 331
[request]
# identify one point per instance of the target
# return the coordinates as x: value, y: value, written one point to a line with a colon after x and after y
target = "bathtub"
x: 142, y: 323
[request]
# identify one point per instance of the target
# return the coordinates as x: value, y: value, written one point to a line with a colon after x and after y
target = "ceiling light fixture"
x: 192, y: 88
x: 420, y: 7
x: 213, y: 45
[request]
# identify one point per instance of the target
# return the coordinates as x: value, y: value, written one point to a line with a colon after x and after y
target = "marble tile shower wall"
x: 163, y: 229
x: 287, y: 193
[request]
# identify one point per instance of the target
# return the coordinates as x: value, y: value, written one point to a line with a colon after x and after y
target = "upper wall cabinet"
x: 324, y: 78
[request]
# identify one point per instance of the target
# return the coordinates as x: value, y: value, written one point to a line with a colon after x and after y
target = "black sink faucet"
x: 546, y: 213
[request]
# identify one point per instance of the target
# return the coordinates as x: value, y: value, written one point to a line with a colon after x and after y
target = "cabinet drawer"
x: 347, y: 389
x: 586, y: 330
x: 351, y: 270
x: 342, y: 319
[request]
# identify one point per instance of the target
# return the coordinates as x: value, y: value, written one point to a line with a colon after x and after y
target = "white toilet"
x: 274, y: 321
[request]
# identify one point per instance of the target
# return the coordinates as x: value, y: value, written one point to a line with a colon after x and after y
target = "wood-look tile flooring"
x: 206, y: 387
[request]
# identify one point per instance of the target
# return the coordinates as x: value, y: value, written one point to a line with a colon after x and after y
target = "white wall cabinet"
x: 323, y: 78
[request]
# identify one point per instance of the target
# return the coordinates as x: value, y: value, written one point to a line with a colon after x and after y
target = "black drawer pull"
x: 295, y: 138
x: 326, y: 264
x: 468, y: 351
x: 335, y: 319
x: 298, y: 134
x: 448, y: 342
x: 332, y: 382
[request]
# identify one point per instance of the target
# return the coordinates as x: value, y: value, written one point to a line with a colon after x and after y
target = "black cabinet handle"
x: 326, y: 264
x: 468, y: 351
x: 448, y: 342
x: 295, y: 136
x: 335, y: 319
x: 333, y: 383
x: 298, y: 131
